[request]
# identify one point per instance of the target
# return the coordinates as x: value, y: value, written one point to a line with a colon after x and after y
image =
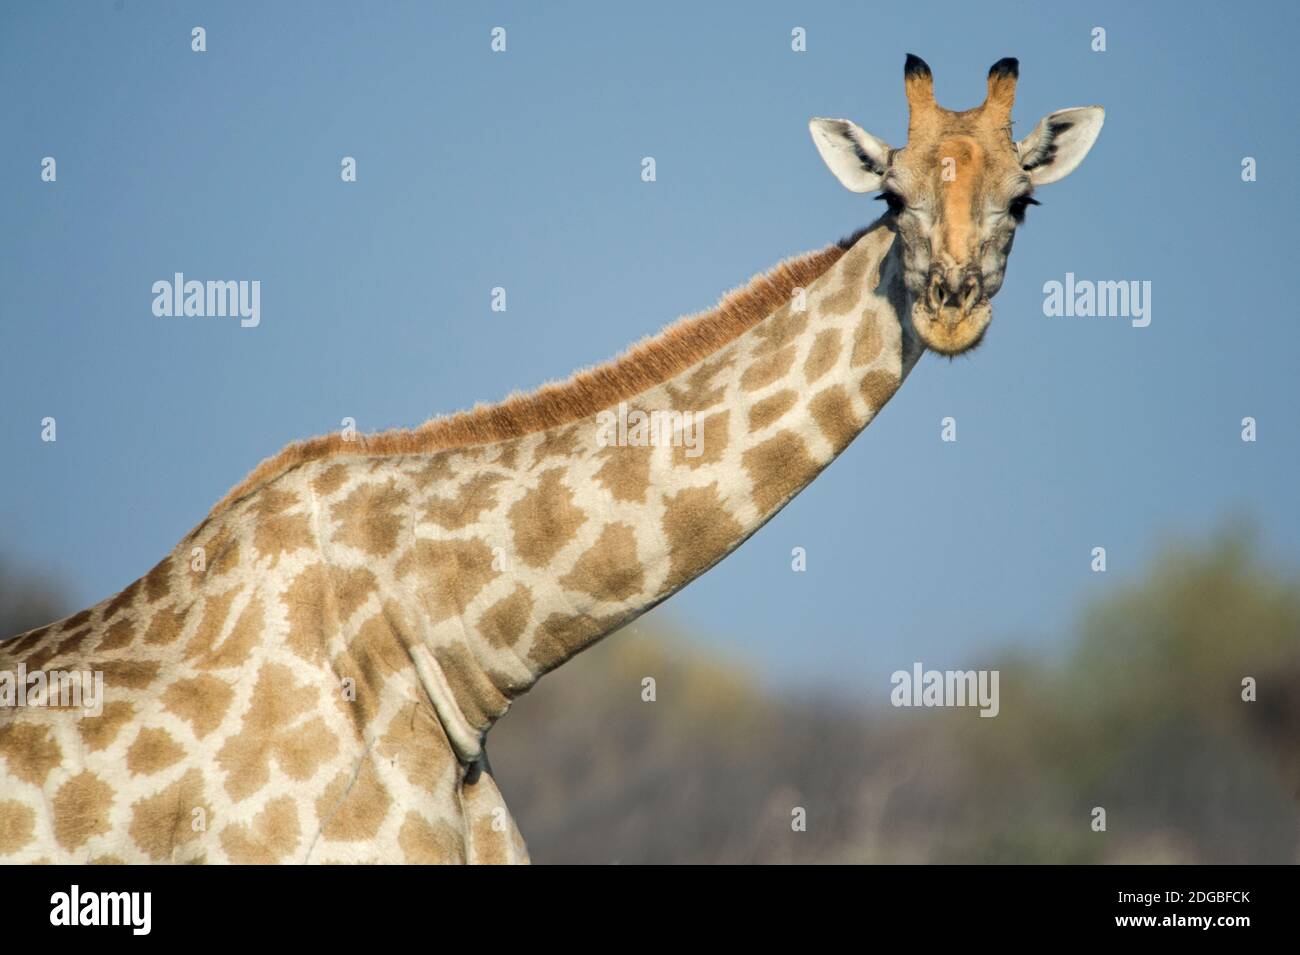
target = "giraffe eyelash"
x: 1019, y: 205
x: 892, y: 199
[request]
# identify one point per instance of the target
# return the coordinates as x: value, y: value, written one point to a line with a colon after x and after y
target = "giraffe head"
x: 956, y: 192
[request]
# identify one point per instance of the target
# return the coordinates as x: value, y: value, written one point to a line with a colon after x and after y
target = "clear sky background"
x: 522, y: 170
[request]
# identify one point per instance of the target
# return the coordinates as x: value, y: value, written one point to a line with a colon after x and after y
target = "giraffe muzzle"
x: 953, y: 313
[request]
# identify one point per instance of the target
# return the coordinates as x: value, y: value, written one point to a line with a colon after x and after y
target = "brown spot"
x: 153, y: 751
x: 17, y: 825
x: 201, y: 701
x: 545, y: 519
x: 216, y: 607
x: 821, y: 357
x: 31, y: 751
x: 239, y: 643
x: 423, y: 843
x: 832, y: 409
x: 162, y: 823
x: 370, y: 519
x: 878, y: 387
x: 559, y: 442
x: 353, y: 807
x: 279, y: 726
x: 867, y: 341
x: 132, y: 674
x: 770, y: 409
x: 276, y: 533
x: 473, y: 498
x: 79, y: 618
x: 626, y: 471
x: 696, y: 391
x: 329, y: 480
x: 779, y: 467
x: 700, y: 531
x: 561, y: 635
x: 352, y: 588
x: 781, y: 328
x: 165, y: 626
x: 81, y: 810
x: 378, y: 650
x: 490, y: 846
x: 415, y: 741
x: 507, y: 453
x: 710, y: 439
x: 436, y: 468
x: 20, y: 645
x: 157, y: 583
x: 450, y: 573
x: 768, y: 369
x: 609, y: 569
x: 853, y: 274
x: 310, y: 614
x: 475, y: 695
x: 503, y: 623
x: 98, y: 732
x: 221, y: 554
x: 123, y: 599
x: 274, y: 834
x: 74, y: 641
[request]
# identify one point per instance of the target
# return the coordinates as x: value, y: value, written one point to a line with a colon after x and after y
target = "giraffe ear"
x: 857, y: 158
x: 1059, y: 142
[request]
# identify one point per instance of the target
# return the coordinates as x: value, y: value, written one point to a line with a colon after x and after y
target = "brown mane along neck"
x: 646, y: 364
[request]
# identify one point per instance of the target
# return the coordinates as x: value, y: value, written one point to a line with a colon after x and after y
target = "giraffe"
x: 311, y: 674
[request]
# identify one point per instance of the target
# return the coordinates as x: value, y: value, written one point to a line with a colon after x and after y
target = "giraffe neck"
x: 487, y: 566
x: 579, y: 529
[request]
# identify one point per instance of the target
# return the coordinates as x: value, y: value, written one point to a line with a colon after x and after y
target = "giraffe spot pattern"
x: 475, y: 496
x: 503, y: 623
x: 609, y: 569
x: 165, y: 822
x: 353, y: 806
x: 713, y: 436
x: 153, y: 751
x: 449, y: 572
x: 768, y: 369
x: 545, y: 519
x: 770, y: 409
x: 699, y: 530
x: 98, y: 734
x: 274, y: 729
x: 273, y: 835
x: 370, y: 518
x: 877, y: 387
x: 832, y: 409
x: 30, y: 751
x: 17, y: 826
x: 201, y: 701
x: 778, y: 467
x: 821, y: 357
x: 81, y: 808
x: 625, y: 472
x: 426, y: 843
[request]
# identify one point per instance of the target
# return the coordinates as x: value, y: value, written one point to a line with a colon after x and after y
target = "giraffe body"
x: 311, y: 674
x: 320, y: 690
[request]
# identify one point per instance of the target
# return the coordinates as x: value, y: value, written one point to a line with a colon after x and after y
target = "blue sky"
x: 522, y: 170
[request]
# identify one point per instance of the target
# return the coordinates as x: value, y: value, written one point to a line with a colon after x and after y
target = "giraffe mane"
x: 648, y: 363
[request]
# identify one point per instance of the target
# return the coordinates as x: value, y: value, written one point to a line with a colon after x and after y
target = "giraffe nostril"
x: 935, y: 291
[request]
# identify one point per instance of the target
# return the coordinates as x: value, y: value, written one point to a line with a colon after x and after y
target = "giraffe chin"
x: 951, y: 331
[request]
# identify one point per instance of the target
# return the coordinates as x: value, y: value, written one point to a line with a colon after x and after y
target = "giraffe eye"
x: 893, y: 200
x: 1019, y: 205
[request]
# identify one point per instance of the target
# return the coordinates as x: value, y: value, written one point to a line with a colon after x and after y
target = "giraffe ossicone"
x: 318, y: 687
